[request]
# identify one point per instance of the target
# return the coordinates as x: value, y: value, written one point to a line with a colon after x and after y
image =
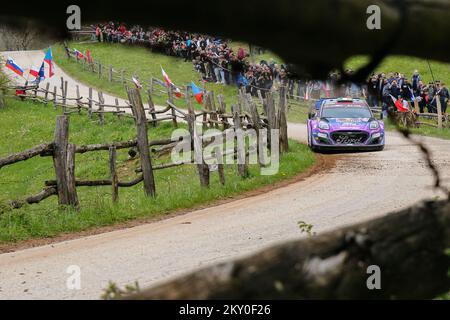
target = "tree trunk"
x: 408, y: 246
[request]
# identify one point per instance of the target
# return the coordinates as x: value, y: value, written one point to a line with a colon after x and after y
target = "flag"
x: 42, y: 72
x: 306, y: 93
x: 198, y: 94
x: 177, y: 92
x: 34, y: 71
x: 11, y: 64
x: 136, y: 83
x: 166, y: 77
x: 49, y: 60
x: 88, y: 56
x: 78, y: 54
x: 324, y: 87
x: 398, y: 104
x: 169, y: 82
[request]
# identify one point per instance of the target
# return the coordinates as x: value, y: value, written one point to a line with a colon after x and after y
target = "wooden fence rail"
x: 64, y: 153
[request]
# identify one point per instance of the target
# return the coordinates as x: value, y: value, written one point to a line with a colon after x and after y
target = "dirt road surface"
x: 361, y: 186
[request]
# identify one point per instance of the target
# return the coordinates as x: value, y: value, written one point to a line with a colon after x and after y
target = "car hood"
x: 348, y: 123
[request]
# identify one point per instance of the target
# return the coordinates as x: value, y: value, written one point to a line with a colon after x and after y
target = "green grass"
x: 140, y: 61
x: 406, y: 65
x: 144, y: 63
x: 25, y: 125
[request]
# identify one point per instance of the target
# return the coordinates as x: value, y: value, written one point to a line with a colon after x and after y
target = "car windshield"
x: 346, y: 112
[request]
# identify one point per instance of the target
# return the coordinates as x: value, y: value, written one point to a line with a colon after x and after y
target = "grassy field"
x: 406, y: 65
x: 146, y: 64
x: 25, y: 125
x: 140, y: 61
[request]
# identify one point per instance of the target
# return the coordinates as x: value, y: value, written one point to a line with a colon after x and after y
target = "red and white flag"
x: 34, y: 71
x: 399, y: 105
x: 169, y: 82
x: 136, y: 83
x: 166, y: 77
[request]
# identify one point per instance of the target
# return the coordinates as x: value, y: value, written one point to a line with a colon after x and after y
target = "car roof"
x: 345, y: 102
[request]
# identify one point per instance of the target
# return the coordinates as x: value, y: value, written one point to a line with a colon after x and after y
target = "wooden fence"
x: 244, y: 115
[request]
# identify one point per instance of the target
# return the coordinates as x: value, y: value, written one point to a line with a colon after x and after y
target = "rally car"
x: 345, y: 124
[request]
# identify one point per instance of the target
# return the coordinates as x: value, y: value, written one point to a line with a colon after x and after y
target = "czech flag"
x: 49, y: 60
x: 14, y: 67
x: 198, y: 94
x: 34, y: 71
x: 169, y: 82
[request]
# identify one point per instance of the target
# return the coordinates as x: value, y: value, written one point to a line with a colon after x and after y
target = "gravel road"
x: 360, y: 186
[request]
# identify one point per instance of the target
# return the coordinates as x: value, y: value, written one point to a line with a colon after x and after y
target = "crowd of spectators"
x: 382, y: 87
x: 215, y: 60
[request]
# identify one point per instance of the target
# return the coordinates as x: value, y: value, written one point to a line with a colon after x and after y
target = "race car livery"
x: 345, y: 124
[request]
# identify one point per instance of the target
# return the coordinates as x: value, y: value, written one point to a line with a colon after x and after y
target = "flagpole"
x: 431, y: 71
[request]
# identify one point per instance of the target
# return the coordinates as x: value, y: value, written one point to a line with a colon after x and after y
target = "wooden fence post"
x: 222, y: 111
x: 261, y: 99
x: 439, y: 110
x: 119, y: 115
x: 99, y: 70
x: 240, y: 142
x: 60, y: 158
x: 256, y: 125
x: 142, y: 141
x: 2, y: 98
x: 269, y: 110
x: 151, y: 108
x: 196, y: 142
x: 78, y: 99
x: 64, y: 94
x: 90, y: 103
x: 112, y: 169
x: 220, y: 168
x: 47, y: 88
x: 70, y: 177
x: 55, y: 93
x: 282, y: 121
x: 101, y: 107
x: 150, y: 85
x: 110, y: 74
x: 212, y: 105
x: 171, y: 100
x: 207, y: 107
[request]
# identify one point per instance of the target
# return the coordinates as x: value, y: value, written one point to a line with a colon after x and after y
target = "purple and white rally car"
x: 345, y: 124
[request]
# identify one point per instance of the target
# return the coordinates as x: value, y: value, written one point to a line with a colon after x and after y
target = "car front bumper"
x: 323, y: 141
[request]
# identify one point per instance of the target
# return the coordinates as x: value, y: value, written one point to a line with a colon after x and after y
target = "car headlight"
x: 376, y: 135
x: 374, y: 125
x: 324, y: 125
